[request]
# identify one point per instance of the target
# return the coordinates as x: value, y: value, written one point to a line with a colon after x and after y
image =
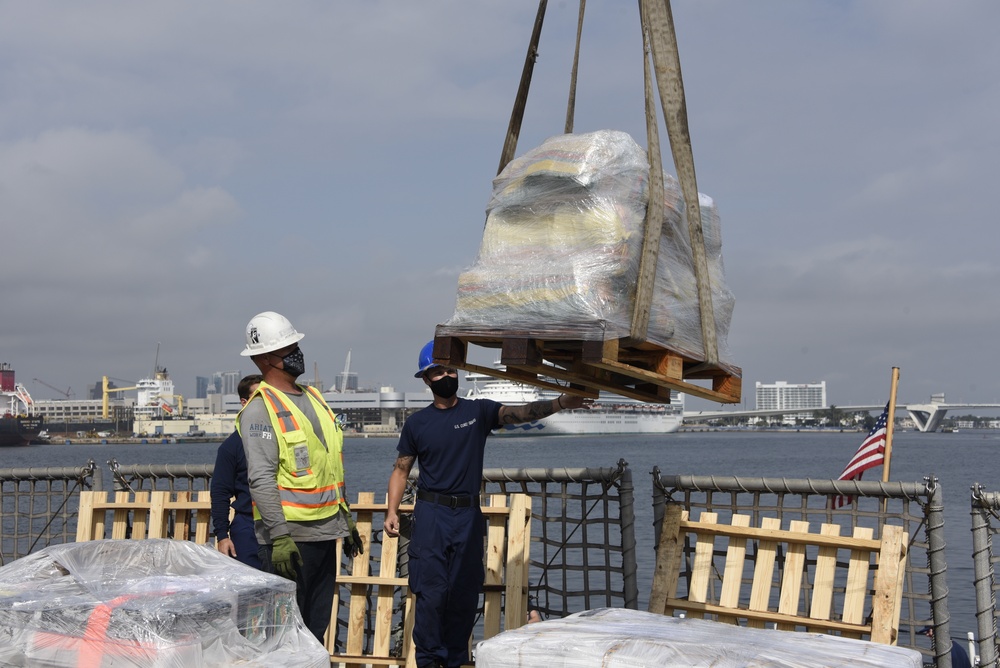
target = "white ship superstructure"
x: 610, y: 414
x: 156, y: 395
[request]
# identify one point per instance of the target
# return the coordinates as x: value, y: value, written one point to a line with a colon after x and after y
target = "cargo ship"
x: 610, y: 414
x: 18, y: 424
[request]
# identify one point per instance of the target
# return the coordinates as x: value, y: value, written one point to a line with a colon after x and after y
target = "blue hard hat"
x: 426, y: 359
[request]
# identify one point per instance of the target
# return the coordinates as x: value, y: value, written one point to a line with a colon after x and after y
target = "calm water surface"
x: 957, y: 460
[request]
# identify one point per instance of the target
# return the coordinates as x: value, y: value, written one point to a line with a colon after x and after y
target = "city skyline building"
x: 351, y: 384
x: 782, y: 395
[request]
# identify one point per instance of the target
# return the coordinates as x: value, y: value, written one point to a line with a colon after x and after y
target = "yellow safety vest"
x: 310, y: 477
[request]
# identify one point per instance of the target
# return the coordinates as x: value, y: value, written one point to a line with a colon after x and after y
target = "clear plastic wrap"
x: 149, y: 603
x: 619, y: 638
x: 562, y: 245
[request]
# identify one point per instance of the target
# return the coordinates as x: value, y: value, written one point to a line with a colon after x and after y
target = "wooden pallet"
x: 142, y: 515
x: 640, y: 371
x: 505, y: 589
x: 850, y: 575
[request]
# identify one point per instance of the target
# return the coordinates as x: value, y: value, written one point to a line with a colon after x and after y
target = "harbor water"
x: 957, y: 460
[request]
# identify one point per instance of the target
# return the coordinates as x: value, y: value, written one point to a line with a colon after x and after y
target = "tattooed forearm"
x: 404, y: 463
x: 536, y: 410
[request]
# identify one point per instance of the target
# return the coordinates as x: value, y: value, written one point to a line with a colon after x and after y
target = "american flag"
x: 870, y: 454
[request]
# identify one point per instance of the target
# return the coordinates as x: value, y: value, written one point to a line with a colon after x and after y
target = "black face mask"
x: 294, y: 363
x: 445, y: 387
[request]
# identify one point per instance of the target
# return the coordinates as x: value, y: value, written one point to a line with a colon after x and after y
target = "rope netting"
x: 583, y: 535
x: 38, y: 507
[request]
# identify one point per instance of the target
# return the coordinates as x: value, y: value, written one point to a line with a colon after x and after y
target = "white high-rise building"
x: 782, y: 395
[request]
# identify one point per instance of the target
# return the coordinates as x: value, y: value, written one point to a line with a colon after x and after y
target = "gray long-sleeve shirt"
x: 261, y: 448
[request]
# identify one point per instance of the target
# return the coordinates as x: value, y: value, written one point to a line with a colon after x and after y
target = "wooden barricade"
x: 508, y: 539
x: 797, y: 543
x: 139, y: 515
x: 642, y: 371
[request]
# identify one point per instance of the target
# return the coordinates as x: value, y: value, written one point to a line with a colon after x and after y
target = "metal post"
x: 982, y: 549
x: 626, y: 495
x: 939, y: 568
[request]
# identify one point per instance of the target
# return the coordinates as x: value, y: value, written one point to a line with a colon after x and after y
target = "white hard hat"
x: 267, y: 332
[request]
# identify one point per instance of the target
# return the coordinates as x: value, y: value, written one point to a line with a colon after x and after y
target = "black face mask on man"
x: 294, y: 363
x: 445, y: 387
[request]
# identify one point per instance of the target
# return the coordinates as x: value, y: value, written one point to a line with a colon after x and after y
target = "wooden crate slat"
x: 493, y: 594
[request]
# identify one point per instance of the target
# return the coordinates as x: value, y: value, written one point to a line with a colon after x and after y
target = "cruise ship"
x: 610, y: 414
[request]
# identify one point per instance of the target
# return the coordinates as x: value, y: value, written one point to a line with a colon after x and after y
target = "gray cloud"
x: 167, y: 170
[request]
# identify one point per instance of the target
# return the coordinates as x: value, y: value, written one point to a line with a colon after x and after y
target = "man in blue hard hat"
x: 448, y: 438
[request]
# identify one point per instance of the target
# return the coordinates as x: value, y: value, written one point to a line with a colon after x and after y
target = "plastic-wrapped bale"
x: 146, y: 603
x: 619, y: 638
x: 562, y: 246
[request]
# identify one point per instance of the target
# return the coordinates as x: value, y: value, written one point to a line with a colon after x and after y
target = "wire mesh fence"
x: 38, y: 507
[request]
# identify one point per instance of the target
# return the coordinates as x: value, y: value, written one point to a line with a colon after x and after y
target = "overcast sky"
x: 169, y: 169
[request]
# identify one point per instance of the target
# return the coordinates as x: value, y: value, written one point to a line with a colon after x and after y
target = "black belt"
x: 445, y: 499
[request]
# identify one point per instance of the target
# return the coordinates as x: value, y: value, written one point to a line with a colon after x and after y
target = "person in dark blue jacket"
x: 229, y: 481
x: 959, y: 657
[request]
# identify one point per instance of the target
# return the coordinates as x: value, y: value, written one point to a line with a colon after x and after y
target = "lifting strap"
x: 658, y: 22
x: 571, y: 103
x: 660, y: 45
x: 517, y: 114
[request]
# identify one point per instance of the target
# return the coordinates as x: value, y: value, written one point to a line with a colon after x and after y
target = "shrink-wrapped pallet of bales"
x: 562, y: 246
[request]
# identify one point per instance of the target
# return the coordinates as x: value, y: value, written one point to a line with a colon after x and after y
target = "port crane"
x: 68, y: 392
x: 105, y: 391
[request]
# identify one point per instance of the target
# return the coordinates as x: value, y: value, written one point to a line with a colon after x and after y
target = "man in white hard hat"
x: 293, y: 447
x: 448, y: 438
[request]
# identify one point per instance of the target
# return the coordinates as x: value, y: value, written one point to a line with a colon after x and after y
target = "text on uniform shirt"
x: 261, y: 431
x: 466, y: 424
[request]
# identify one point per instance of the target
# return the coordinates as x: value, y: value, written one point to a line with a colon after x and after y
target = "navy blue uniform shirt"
x: 449, y: 444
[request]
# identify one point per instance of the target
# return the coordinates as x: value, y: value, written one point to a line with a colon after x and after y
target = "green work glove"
x: 284, y: 556
x: 353, y: 545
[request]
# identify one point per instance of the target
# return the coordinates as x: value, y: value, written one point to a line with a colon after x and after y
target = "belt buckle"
x: 453, y: 503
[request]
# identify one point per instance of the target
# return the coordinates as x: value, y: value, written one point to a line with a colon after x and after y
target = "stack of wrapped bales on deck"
x: 148, y: 603
x: 562, y: 247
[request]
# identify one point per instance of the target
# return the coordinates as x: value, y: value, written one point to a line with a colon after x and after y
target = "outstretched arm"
x: 537, y: 410
x: 397, y: 485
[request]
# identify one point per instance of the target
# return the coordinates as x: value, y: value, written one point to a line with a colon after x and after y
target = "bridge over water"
x: 927, y: 417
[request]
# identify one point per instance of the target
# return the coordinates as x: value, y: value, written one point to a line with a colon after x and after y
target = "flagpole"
x: 890, y: 424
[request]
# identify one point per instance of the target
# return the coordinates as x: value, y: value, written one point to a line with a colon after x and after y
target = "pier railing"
x: 918, y: 508
x: 38, y: 506
x: 583, y: 551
